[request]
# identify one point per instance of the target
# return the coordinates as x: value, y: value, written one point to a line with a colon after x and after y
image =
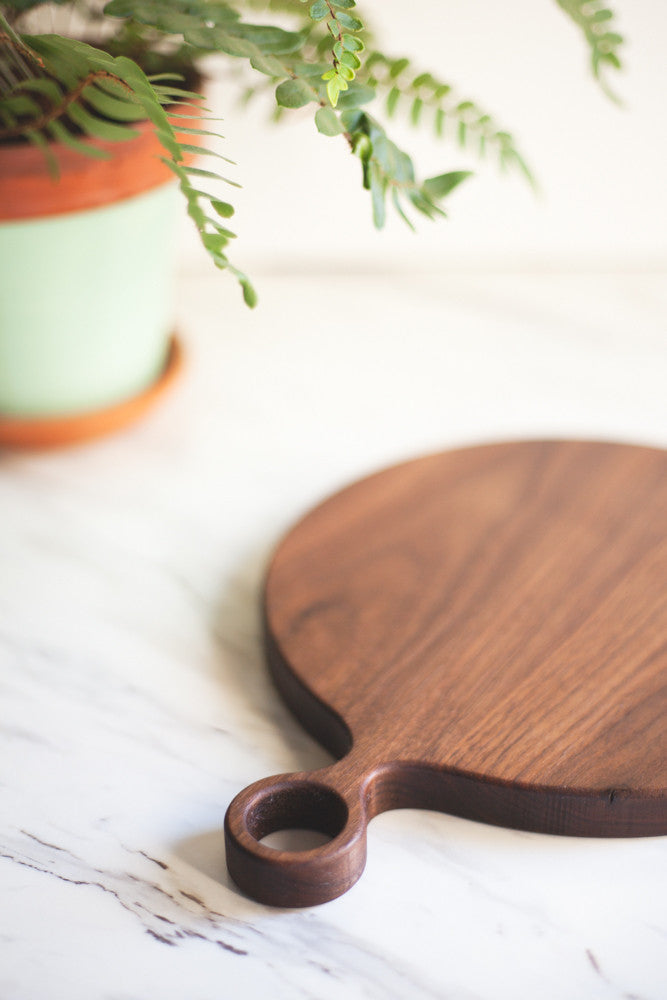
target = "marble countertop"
x: 135, y: 702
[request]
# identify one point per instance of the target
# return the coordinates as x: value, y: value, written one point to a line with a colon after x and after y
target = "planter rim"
x: 28, y: 191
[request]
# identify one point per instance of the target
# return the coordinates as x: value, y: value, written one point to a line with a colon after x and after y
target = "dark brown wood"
x: 481, y: 632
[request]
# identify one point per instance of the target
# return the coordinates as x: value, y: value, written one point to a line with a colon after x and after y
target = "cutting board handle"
x: 331, y: 801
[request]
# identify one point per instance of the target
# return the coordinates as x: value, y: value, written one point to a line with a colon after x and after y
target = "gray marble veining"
x: 134, y: 700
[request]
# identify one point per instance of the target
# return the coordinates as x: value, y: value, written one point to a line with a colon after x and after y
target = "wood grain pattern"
x: 482, y: 632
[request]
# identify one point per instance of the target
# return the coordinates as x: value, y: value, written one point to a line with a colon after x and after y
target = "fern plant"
x: 127, y: 61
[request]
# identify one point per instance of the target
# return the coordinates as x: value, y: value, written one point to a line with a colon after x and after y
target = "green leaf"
x: 351, y: 60
x: 223, y: 208
x: 200, y: 172
x: 398, y: 67
x: 349, y: 22
x: 136, y: 78
x: 440, y: 186
x: 268, y: 65
x: 355, y: 120
x: 386, y: 154
x: 186, y: 130
x: 357, y: 94
x: 270, y: 40
x: 158, y: 77
x: 319, y: 10
x: 171, y: 92
x: 309, y: 71
x: 205, y: 151
x: 515, y: 157
x: 377, y: 195
x: 423, y: 80
x: 362, y: 146
x: 49, y: 88
x: 99, y: 128
x: 612, y: 38
x: 60, y: 134
x: 294, y: 94
x: 20, y: 6
x: 37, y: 139
x: 220, y: 229
x: 113, y: 107
x: 23, y: 104
x: 392, y: 100
x: 249, y: 293
x: 334, y: 89
x: 224, y: 42
x: 214, y: 242
x: 424, y: 204
x: 327, y: 122
x: 416, y: 110
x: 344, y: 4
x: 399, y: 209
x: 352, y: 44
x: 179, y: 116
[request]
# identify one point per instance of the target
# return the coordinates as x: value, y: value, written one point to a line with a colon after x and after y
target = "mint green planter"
x: 85, y: 305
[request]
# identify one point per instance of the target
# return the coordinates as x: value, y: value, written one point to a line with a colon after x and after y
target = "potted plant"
x: 99, y: 124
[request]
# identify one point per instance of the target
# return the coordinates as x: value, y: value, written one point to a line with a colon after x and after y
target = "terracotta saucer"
x: 60, y: 431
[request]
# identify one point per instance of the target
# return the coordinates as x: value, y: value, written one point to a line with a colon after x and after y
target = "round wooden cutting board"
x: 481, y: 632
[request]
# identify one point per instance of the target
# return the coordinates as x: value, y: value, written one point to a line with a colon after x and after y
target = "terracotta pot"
x: 86, y: 339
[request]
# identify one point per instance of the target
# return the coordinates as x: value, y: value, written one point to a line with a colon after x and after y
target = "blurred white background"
x: 601, y: 167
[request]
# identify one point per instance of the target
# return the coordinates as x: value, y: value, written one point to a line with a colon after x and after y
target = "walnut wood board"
x: 481, y: 632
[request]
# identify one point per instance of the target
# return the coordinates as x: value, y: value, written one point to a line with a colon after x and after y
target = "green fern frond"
x: 595, y: 20
x: 464, y: 121
x: 343, y: 29
x: 326, y: 60
x: 84, y: 92
x: 388, y: 170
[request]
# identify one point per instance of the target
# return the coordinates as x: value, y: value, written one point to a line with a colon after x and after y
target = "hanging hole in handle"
x: 295, y: 840
x: 295, y: 878
x: 297, y: 817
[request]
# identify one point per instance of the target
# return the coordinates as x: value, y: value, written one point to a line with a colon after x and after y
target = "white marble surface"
x: 134, y: 698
